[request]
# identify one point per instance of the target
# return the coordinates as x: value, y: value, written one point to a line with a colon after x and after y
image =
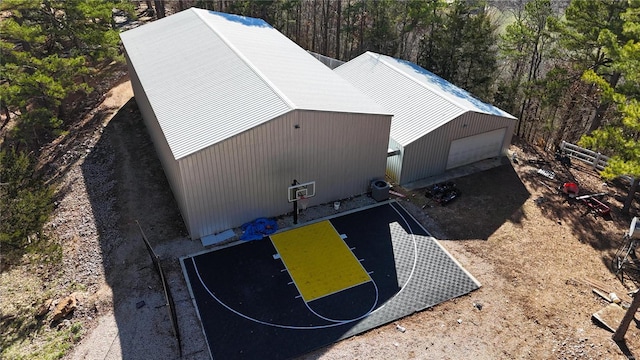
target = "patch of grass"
x: 44, y: 343
x: 45, y: 251
x: 22, y: 334
x: 77, y: 287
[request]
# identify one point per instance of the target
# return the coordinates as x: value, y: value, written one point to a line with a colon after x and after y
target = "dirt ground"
x: 532, y: 252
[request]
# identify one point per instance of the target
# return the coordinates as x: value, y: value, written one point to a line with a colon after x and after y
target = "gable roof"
x: 420, y: 100
x: 209, y: 76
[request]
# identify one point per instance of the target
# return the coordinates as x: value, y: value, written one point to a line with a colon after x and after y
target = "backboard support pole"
x: 295, y: 205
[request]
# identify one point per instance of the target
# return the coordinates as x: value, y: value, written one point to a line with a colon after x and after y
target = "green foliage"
x: 48, y: 47
x: 460, y: 45
x: 524, y: 45
x: 26, y: 201
x: 581, y: 32
x: 382, y: 35
x: 54, y: 344
x: 620, y: 137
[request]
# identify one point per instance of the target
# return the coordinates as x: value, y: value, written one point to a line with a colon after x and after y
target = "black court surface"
x: 310, y: 286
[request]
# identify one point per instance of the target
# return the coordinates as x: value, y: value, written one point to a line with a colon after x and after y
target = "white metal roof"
x: 210, y: 76
x: 420, y: 101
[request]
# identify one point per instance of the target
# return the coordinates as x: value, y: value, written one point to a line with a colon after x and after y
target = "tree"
x: 26, y: 201
x: 622, y: 135
x: 524, y: 45
x: 48, y: 48
x: 381, y: 36
x: 580, y: 36
x: 462, y: 49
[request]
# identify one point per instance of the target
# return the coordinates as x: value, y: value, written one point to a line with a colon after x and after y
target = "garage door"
x: 474, y: 148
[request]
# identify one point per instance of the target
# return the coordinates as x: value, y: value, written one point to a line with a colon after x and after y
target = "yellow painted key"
x: 318, y: 260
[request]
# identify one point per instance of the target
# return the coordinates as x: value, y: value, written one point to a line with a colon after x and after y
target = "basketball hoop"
x: 299, y: 195
x: 303, y: 202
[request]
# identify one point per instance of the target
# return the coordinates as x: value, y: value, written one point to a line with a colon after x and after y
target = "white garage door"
x: 474, y: 148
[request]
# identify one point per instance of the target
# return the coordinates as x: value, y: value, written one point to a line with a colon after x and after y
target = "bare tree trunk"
x: 632, y: 192
x: 596, y: 121
x: 313, y: 35
x: 7, y: 116
x: 325, y: 24
x: 338, y: 23
x: 159, y: 4
x: 306, y: 39
x: 361, y: 35
x: 150, y: 10
x: 626, y: 320
x: 565, y: 119
x: 402, y: 38
x: 298, y: 21
x: 348, y: 43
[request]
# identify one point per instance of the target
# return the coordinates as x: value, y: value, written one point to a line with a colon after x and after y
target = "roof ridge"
x: 276, y: 90
x: 422, y: 84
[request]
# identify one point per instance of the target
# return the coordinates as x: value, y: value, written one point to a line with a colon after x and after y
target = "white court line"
x: 266, y: 323
x: 335, y: 322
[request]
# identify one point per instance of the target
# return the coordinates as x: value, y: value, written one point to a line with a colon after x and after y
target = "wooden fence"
x: 595, y: 159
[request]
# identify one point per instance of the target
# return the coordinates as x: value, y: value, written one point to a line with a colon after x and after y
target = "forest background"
x: 568, y: 70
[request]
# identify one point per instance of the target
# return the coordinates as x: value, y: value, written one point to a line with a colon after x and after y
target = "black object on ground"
x: 443, y: 193
x: 563, y: 159
x: 538, y: 162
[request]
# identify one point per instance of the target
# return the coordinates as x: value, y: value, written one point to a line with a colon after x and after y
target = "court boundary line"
x: 266, y: 323
x: 334, y: 323
x: 328, y: 217
x: 195, y: 305
x: 437, y: 241
x: 415, y: 258
x: 333, y: 216
x: 306, y: 303
x: 343, y: 242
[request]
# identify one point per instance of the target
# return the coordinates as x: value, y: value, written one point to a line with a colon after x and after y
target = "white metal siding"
x: 247, y: 176
x: 210, y: 76
x: 428, y: 111
x: 416, y: 110
x: 200, y: 91
x: 169, y: 164
x: 394, y: 163
x: 419, y: 100
x: 291, y: 70
x: 475, y: 148
x: 428, y: 156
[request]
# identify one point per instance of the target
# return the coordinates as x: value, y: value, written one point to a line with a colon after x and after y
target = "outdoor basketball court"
x: 310, y: 286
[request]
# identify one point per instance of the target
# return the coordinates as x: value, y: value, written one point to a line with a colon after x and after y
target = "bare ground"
x: 531, y: 251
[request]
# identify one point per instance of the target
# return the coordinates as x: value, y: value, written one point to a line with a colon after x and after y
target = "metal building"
x: 436, y: 126
x: 237, y: 111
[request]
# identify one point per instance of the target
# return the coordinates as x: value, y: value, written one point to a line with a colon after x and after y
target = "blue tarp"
x: 258, y: 228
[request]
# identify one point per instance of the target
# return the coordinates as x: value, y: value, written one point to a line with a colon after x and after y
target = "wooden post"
x: 626, y: 320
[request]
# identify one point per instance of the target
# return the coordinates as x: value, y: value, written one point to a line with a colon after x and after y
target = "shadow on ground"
x: 488, y: 199
x: 133, y: 188
x: 600, y: 230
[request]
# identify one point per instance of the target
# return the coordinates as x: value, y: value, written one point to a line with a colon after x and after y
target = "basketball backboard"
x: 301, y: 191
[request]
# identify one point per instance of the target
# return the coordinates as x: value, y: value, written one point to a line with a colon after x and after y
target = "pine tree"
x: 620, y: 136
x: 524, y: 45
x: 48, y: 48
x: 460, y: 46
